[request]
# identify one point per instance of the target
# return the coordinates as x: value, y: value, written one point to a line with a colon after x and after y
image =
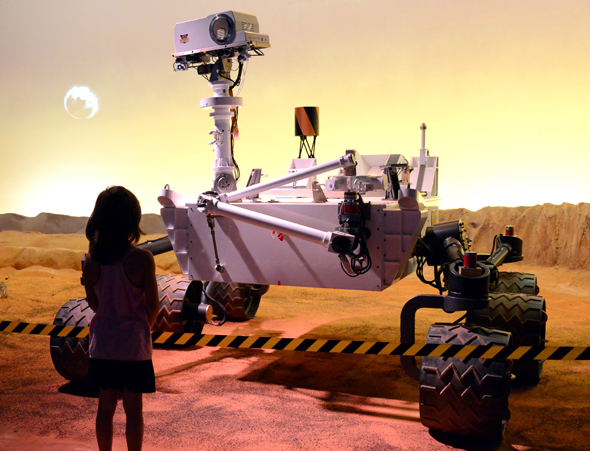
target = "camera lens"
x: 222, y: 29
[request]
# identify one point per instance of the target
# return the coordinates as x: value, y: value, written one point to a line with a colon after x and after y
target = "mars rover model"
x: 365, y: 228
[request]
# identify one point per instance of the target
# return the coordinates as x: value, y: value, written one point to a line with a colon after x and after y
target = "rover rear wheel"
x: 465, y: 396
x: 517, y: 282
x: 525, y: 318
x: 70, y: 355
x: 240, y: 300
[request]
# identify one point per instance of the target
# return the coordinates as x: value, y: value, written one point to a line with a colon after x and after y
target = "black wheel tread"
x: 240, y: 300
x: 465, y: 396
x: 70, y: 355
x: 525, y: 318
x: 172, y: 292
x: 517, y: 282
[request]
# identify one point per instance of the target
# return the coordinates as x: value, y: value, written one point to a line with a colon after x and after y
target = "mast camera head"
x: 215, y: 33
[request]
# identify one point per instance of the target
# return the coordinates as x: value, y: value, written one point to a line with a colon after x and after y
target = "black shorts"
x: 137, y: 377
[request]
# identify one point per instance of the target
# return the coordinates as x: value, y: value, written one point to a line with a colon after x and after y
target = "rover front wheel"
x: 466, y: 397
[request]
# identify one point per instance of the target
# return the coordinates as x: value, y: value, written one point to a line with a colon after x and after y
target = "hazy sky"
x: 503, y: 86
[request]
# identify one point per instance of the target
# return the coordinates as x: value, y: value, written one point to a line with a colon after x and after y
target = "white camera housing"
x: 217, y: 32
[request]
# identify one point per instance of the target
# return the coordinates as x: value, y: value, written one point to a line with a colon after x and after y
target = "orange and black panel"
x: 307, y: 121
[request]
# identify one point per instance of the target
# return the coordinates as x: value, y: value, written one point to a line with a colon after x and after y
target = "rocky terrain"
x: 553, y: 235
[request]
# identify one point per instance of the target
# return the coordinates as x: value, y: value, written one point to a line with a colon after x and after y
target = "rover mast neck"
x: 224, y: 106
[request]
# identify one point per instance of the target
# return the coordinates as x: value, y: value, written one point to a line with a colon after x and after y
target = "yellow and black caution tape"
x: 326, y: 345
x: 43, y: 329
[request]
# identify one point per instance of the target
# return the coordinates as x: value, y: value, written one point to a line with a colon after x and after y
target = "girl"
x: 121, y: 288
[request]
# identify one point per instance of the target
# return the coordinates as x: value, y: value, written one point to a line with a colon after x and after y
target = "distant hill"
x: 554, y: 235
x: 51, y: 223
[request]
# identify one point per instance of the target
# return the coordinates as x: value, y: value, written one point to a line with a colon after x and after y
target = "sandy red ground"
x: 226, y: 399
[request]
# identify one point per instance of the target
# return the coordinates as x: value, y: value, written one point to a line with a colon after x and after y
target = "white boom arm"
x: 342, y: 162
x: 212, y: 206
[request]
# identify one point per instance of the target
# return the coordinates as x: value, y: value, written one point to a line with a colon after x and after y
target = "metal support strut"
x: 465, y: 293
x: 211, y: 224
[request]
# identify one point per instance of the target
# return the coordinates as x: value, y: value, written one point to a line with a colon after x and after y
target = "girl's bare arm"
x: 150, y: 288
x: 91, y: 275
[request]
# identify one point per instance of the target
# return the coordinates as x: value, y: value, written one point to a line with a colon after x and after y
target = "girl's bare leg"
x: 133, y: 405
x: 107, y: 404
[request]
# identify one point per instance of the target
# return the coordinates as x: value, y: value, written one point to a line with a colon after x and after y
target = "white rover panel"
x: 251, y: 254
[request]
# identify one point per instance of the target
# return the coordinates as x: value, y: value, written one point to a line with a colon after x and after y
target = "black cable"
x: 234, y: 125
x: 238, y: 78
x: 219, y: 305
x: 496, y: 278
x: 361, y: 262
x: 493, y: 268
x: 436, y: 282
x: 439, y: 272
x: 494, y: 245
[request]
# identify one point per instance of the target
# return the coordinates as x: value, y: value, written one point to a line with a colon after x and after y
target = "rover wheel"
x: 465, y: 396
x: 70, y: 355
x: 240, y: 300
x: 517, y: 282
x: 525, y: 318
x: 174, y: 293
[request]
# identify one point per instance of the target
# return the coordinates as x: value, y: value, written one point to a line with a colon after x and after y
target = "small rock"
x: 3, y: 290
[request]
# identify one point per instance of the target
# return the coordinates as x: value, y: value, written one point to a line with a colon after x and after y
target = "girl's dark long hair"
x: 114, y: 225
